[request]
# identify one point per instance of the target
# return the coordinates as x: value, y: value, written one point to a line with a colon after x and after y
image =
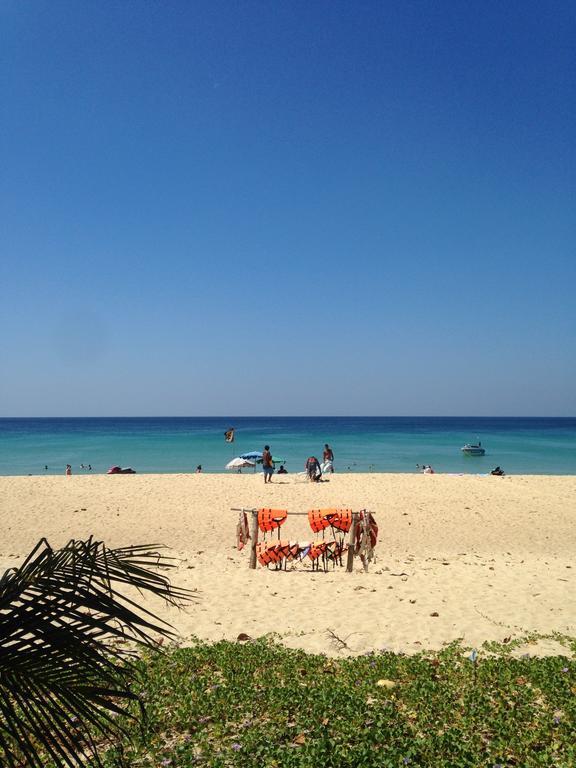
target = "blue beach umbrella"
x: 257, y: 457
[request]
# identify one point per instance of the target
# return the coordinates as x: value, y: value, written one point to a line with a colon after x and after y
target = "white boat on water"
x: 473, y: 450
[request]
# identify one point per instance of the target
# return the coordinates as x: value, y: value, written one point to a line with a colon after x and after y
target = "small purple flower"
x: 372, y: 663
x: 406, y: 760
x: 166, y: 761
x: 564, y: 669
x: 556, y: 720
x: 236, y: 747
x: 497, y: 765
x: 357, y: 682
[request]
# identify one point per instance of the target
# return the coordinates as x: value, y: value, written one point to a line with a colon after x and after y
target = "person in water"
x: 267, y: 464
x: 199, y: 469
x: 68, y: 470
x: 282, y: 471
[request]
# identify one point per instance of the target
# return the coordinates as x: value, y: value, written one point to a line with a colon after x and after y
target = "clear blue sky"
x: 280, y: 208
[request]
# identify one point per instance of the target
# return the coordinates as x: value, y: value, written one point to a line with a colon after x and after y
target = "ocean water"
x: 362, y: 444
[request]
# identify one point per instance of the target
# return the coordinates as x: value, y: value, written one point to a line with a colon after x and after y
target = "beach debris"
x: 435, y: 614
x: 339, y: 641
x: 243, y: 637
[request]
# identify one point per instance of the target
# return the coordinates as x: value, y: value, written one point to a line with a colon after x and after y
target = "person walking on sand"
x: 328, y: 459
x: 267, y: 464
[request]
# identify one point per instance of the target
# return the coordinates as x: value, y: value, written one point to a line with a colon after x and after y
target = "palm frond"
x: 67, y: 636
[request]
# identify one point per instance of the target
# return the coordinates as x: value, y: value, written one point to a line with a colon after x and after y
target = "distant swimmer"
x: 68, y: 470
x: 199, y: 469
x: 46, y: 467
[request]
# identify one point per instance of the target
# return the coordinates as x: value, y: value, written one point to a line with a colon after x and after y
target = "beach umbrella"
x: 257, y: 457
x: 239, y: 463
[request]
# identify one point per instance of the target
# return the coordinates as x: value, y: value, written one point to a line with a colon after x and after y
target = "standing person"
x: 68, y: 470
x: 267, y: 464
x: 328, y: 458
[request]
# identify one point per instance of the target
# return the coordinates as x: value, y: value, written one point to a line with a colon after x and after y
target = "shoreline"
x: 492, y: 556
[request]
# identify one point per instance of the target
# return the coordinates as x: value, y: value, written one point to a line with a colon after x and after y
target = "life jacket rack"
x: 360, y: 526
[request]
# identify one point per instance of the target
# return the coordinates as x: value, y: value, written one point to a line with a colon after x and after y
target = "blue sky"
x: 284, y: 208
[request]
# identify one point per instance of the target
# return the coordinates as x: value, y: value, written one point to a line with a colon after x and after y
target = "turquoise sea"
x: 360, y: 444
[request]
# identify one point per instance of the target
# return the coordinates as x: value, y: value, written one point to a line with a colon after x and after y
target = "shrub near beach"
x: 259, y: 704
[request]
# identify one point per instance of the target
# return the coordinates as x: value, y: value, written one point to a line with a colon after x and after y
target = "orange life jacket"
x: 268, y: 519
x: 267, y: 553
x: 317, y: 548
x: 337, y: 518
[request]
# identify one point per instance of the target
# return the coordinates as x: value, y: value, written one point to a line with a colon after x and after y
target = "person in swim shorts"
x: 267, y: 464
x: 328, y: 459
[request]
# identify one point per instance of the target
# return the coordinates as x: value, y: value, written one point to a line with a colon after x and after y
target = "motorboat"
x: 473, y: 450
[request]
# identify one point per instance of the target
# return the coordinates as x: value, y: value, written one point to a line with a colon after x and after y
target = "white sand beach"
x: 471, y: 557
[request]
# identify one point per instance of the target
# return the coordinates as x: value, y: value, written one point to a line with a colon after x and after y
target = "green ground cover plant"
x: 260, y: 704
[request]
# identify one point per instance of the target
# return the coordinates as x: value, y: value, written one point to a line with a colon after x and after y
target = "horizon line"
x: 299, y: 416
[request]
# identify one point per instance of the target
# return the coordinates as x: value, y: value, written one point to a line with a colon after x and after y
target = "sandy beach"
x: 471, y: 557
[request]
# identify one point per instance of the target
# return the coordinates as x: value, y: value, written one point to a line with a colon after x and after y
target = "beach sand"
x: 471, y: 557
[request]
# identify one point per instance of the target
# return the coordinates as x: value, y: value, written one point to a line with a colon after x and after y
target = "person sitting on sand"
x: 282, y: 471
x: 312, y: 467
x: 427, y: 470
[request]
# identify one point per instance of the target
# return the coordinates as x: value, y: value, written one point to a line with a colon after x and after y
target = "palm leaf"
x: 68, y: 633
